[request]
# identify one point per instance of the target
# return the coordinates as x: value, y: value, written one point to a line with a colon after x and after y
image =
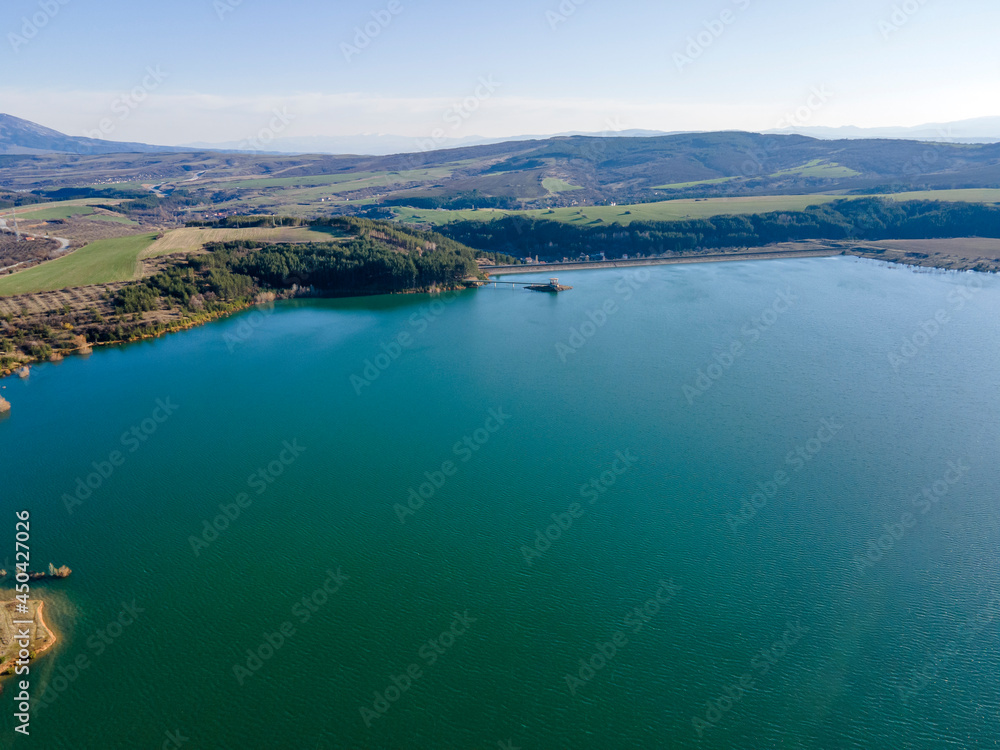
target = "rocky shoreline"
x: 53, y: 572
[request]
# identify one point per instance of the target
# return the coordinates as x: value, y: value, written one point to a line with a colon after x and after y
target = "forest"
x: 369, y: 257
x: 856, y: 219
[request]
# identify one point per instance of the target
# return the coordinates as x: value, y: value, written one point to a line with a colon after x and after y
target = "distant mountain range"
x: 19, y: 136
x: 979, y: 130
x: 385, y: 145
x: 557, y: 171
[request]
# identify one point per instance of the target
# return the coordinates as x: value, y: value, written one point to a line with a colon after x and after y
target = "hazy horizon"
x: 220, y: 70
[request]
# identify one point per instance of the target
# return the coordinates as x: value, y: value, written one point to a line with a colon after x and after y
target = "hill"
x: 19, y: 136
x: 385, y: 145
x: 570, y: 171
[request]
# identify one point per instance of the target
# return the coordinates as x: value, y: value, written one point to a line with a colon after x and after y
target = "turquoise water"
x: 600, y: 475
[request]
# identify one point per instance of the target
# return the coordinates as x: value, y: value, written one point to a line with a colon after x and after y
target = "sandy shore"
x: 43, y: 637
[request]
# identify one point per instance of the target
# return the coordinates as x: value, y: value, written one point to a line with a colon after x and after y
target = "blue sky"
x: 222, y: 67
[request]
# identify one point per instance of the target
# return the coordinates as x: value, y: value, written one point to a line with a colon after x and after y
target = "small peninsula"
x: 12, y: 623
x: 40, y: 636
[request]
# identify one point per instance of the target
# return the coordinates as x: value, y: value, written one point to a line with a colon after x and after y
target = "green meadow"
x: 62, y: 211
x: 555, y: 185
x: 687, y: 208
x: 819, y: 168
x: 99, y: 262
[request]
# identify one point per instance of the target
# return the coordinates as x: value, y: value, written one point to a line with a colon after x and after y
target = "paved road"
x: 160, y: 191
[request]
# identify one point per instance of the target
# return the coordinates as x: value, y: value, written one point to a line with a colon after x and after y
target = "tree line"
x: 377, y: 257
x: 858, y: 219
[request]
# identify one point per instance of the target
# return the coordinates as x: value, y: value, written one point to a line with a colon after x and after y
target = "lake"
x: 733, y: 505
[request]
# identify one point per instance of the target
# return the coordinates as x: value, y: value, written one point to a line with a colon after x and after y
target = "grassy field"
x: 972, y: 195
x: 555, y: 185
x: 815, y: 168
x: 819, y: 168
x: 305, y: 196
x: 626, y: 214
x: 688, y: 208
x: 291, y: 182
x: 682, y: 185
x: 98, y: 263
x: 190, y: 239
x: 58, y: 209
x: 55, y: 212
x: 412, y: 175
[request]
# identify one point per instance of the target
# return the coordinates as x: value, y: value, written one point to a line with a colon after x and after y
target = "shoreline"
x: 935, y: 253
x: 205, y: 318
x: 885, y: 250
x: 677, y: 260
x: 39, y: 622
x: 89, y: 348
